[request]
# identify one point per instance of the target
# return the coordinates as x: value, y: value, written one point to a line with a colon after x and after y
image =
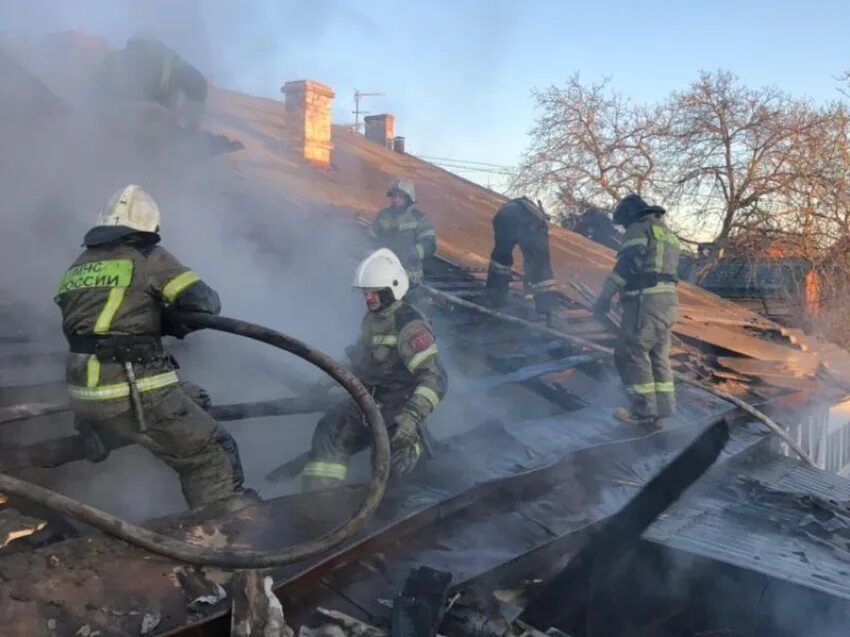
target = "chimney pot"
x: 398, y: 144
x: 308, y: 120
x: 379, y: 129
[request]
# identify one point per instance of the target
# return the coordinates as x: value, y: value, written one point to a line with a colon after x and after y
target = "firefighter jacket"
x: 409, y: 234
x: 116, y: 293
x: 396, y: 358
x: 647, y: 261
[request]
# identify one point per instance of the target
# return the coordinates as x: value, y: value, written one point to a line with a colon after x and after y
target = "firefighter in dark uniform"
x: 596, y: 225
x: 645, y: 278
x: 152, y: 86
x: 396, y: 359
x: 115, y: 301
x: 521, y: 222
x: 405, y: 230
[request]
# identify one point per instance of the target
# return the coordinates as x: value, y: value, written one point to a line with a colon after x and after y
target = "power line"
x: 469, y: 166
x: 489, y: 171
x: 465, y: 161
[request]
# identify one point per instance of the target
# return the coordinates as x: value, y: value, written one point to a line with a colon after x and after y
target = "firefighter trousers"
x: 642, y: 353
x: 340, y: 433
x: 201, y: 451
x: 533, y: 241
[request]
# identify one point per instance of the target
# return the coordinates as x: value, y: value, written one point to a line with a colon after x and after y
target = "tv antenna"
x: 357, y: 112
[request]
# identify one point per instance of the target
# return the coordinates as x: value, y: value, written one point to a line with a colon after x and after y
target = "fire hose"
x: 231, y: 558
x: 580, y: 342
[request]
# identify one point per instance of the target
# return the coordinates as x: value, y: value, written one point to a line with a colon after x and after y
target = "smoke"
x: 287, y: 270
x: 282, y: 268
x: 246, y: 46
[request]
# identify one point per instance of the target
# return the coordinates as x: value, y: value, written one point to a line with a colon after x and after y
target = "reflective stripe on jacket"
x: 409, y: 234
x: 396, y: 356
x: 647, y: 260
x: 119, y: 289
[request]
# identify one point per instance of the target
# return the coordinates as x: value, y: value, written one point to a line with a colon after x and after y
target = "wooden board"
x: 758, y: 368
x: 836, y: 362
x: 774, y: 374
x: 722, y: 317
x: 741, y: 343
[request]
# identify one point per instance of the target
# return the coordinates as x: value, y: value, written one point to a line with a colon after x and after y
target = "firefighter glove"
x: 406, y: 432
x: 173, y: 328
x: 404, y: 459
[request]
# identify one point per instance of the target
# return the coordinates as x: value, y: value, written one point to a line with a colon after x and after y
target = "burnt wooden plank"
x: 742, y: 343
x: 15, y: 525
x: 69, y: 581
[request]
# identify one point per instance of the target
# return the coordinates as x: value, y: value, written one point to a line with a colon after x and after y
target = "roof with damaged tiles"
x: 462, y: 211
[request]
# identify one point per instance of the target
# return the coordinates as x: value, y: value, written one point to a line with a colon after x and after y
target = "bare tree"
x: 716, y: 154
x: 757, y: 170
x: 817, y: 200
x: 844, y: 83
x: 589, y: 147
x: 729, y: 151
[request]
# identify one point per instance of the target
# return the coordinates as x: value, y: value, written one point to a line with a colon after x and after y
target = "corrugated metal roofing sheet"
x: 712, y: 522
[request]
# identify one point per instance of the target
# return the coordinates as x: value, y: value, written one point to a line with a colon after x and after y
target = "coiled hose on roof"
x: 230, y: 558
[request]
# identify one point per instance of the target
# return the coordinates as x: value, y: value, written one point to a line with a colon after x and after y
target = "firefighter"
x: 405, y: 230
x: 521, y: 222
x: 148, y: 71
x: 116, y: 302
x: 645, y: 279
x: 596, y: 225
x: 396, y: 359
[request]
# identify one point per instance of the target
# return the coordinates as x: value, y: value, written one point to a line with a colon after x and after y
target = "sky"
x: 458, y: 74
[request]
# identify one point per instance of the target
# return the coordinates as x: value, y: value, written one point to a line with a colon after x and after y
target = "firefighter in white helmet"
x: 396, y: 359
x: 405, y: 229
x: 116, y: 300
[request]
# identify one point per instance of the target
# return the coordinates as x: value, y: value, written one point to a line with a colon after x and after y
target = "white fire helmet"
x: 403, y: 186
x: 130, y: 207
x: 381, y: 270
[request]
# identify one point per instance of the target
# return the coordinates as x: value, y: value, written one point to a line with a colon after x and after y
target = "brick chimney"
x: 308, y: 120
x: 379, y: 129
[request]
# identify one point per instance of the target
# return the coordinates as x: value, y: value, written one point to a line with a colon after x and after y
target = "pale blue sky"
x: 458, y: 75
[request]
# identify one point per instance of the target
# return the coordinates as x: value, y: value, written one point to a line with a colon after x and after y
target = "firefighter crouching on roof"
x: 645, y: 278
x: 396, y: 359
x: 405, y: 230
x: 115, y: 301
x: 521, y: 222
x: 146, y: 71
